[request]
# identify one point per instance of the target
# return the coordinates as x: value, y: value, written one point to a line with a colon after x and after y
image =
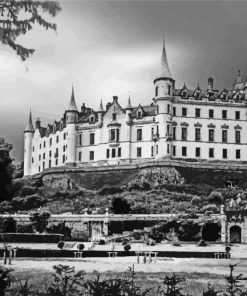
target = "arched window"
x: 156, y: 91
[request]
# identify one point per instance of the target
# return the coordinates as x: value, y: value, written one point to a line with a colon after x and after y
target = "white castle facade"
x: 208, y: 125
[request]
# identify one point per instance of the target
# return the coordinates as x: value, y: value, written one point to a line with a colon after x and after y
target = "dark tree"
x: 8, y: 225
x: 172, y: 286
x: 40, y: 220
x: 19, y: 16
x: 6, y: 170
x: 120, y: 206
x: 5, y: 279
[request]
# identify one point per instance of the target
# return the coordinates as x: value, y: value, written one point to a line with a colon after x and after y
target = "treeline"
x: 65, y: 281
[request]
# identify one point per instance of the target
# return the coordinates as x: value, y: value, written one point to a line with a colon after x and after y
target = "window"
x: 79, y: 156
x: 64, y: 136
x: 174, y: 133
x: 169, y: 89
x: 211, y: 153
x: 50, y: 141
x: 157, y: 149
x: 44, y: 144
x: 139, y: 115
x: 57, y: 139
x: 107, y: 153
x: 184, y: 111
x: 174, y: 150
x: 56, y: 162
x: 119, y: 151
x: 80, y: 139
x: 40, y: 146
x: 168, y: 148
x: 91, y: 119
x: 168, y: 129
x: 157, y: 109
x: 168, y: 108
x: 64, y: 148
x: 198, y: 112
x: 184, y: 133
x: 139, y: 152
x: 224, y: 153
x: 32, y: 160
x: 49, y: 163
x: 33, y: 148
x: 198, y: 152
x: 237, y: 137
x: 43, y: 155
x: 198, y: 95
x: 211, y: 113
x: 92, y: 136
x: 152, y: 151
x: 39, y: 157
x: 184, y: 151
x: 56, y: 153
x: 224, y: 114
x: 211, y: 135
x: 184, y: 94
x: 49, y: 153
x: 39, y: 168
x: 43, y: 165
x: 174, y: 111
x: 63, y: 158
x: 139, y: 134
x: 152, y: 131
x: 113, y: 153
x: 237, y: 115
x: 156, y: 91
x: 238, y: 155
x: 91, y: 155
x: 114, y: 116
x: 113, y: 135
x: 198, y: 134
x: 224, y: 136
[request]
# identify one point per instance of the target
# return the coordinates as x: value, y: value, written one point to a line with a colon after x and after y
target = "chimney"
x: 37, y: 123
x: 210, y: 83
x: 115, y: 98
x: 108, y: 105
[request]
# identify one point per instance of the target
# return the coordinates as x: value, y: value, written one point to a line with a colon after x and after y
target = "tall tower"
x: 71, y: 120
x: 28, y: 137
x: 164, y: 85
x: 128, y: 122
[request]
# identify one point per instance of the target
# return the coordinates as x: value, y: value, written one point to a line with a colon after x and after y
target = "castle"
x: 208, y: 125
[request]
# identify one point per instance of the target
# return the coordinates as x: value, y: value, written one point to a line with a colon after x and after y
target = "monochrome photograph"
x: 123, y: 148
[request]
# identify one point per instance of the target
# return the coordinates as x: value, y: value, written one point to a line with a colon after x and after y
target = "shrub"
x: 120, y: 206
x: 60, y: 245
x: 60, y: 228
x: 79, y: 235
x: 137, y: 235
x: 215, y: 197
x: 101, y: 242
x: 107, y: 190
x: 125, y: 242
x: 24, y: 228
x: 40, y: 220
x: 8, y: 225
x: 80, y: 247
x: 127, y: 248
x: 188, y: 231
x: 196, y: 200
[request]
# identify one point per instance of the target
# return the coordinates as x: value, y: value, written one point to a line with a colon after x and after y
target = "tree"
x: 5, y: 279
x: 8, y: 225
x: 40, y: 220
x: 18, y: 170
x: 172, y: 285
x: 120, y: 206
x: 19, y: 16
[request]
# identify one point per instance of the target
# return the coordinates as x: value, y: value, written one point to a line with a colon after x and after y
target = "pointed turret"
x: 101, y: 109
x: 129, y: 106
x: 72, y: 104
x: 29, y: 126
x: 165, y: 71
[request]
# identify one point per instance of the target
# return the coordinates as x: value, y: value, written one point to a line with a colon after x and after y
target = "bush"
x: 196, y: 200
x: 120, y: 206
x: 30, y: 238
x: 60, y: 245
x: 8, y: 225
x: 79, y: 235
x: 24, y: 228
x: 80, y: 247
x: 215, y: 197
x: 134, y: 186
x: 127, y: 248
x: 40, y: 220
x: 125, y: 242
x: 60, y: 228
x: 137, y: 235
x: 210, y: 208
x: 101, y: 242
x: 108, y: 190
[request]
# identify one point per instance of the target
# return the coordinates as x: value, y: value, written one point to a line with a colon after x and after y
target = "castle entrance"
x: 235, y: 234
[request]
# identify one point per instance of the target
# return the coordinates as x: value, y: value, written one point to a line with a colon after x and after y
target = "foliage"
x: 215, y: 197
x: 24, y: 228
x: 60, y: 228
x: 196, y: 200
x: 234, y: 288
x: 163, y: 230
x: 19, y: 17
x: 40, y: 220
x: 210, y: 208
x: 172, y: 286
x: 79, y: 235
x: 60, y: 245
x: 66, y: 282
x: 106, y: 189
x: 188, y: 231
x: 80, y: 247
x: 120, y: 206
x: 5, y: 279
x: 8, y: 225
x: 18, y: 170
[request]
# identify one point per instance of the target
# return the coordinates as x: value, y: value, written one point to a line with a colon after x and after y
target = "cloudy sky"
x: 108, y: 48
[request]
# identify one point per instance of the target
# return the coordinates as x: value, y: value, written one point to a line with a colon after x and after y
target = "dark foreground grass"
x: 195, y: 283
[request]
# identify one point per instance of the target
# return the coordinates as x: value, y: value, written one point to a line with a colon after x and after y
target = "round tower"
x: 164, y: 85
x: 28, y: 138
x: 71, y: 120
x: 128, y: 111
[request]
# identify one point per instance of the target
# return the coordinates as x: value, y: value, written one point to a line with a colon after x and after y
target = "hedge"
x: 30, y: 238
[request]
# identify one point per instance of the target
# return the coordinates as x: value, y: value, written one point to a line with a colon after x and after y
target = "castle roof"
x: 29, y: 126
x: 165, y: 70
x: 72, y: 104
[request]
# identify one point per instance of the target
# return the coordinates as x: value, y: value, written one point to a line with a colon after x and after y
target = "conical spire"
x: 101, y: 109
x: 129, y: 106
x: 165, y: 71
x: 72, y: 104
x: 29, y: 126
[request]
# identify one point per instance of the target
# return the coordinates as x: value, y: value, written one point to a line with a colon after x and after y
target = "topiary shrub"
x: 127, y: 248
x: 80, y: 247
x: 196, y: 200
x: 60, y: 245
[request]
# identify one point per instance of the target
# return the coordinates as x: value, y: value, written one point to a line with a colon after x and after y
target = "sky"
x: 107, y: 48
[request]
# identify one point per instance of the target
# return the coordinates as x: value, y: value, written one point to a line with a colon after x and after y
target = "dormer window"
x: 197, y: 95
x: 47, y: 132
x: 139, y: 115
x: 91, y: 119
x: 184, y: 94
